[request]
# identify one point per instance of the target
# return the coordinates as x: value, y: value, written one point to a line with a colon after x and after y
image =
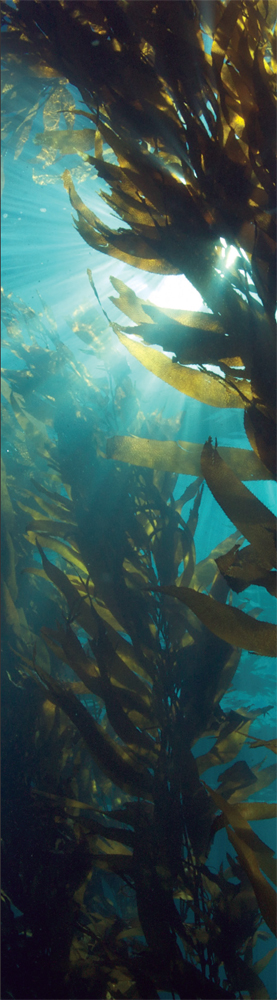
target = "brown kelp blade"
x: 182, y: 457
x: 228, y: 623
x: 199, y: 385
x: 114, y: 760
x: 240, y: 568
x: 269, y: 744
x: 250, y: 516
x: 234, y: 816
x: 264, y: 892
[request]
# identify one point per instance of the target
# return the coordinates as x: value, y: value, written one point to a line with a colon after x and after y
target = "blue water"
x: 43, y: 253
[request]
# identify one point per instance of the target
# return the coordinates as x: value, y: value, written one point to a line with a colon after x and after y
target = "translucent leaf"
x: 181, y: 456
x: 250, y: 516
x: 228, y: 623
x: 199, y: 385
x: 66, y: 141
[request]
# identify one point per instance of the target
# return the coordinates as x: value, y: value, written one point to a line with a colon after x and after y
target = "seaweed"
x: 112, y: 701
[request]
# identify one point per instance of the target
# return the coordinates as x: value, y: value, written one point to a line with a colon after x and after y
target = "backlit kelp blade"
x: 112, y: 242
x: 73, y: 141
x: 228, y: 623
x: 181, y: 456
x: 253, y: 519
x: 194, y: 337
x: 261, y: 431
x: 199, y: 385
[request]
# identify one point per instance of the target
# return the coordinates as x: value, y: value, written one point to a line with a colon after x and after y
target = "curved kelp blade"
x: 206, y: 570
x: 233, y: 814
x: 240, y: 568
x: 84, y: 613
x: 199, y: 385
x: 61, y: 548
x: 261, y: 432
x: 195, y: 338
x: 229, y: 743
x: 123, y: 244
x: 251, y: 810
x: 228, y: 623
x: 60, y: 499
x: 263, y: 777
x: 59, y: 529
x: 111, y: 757
x: 269, y: 744
x: 250, y: 516
x: 143, y: 311
x: 264, y: 892
x: 182, y: 456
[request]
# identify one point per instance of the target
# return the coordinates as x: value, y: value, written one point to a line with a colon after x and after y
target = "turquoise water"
x: 44, y: 264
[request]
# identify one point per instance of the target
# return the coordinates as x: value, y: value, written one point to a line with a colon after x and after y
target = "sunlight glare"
x: 231, y: 256
x: 176, y: 292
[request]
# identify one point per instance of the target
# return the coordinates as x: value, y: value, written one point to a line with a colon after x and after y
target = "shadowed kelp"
x: 141, y: 747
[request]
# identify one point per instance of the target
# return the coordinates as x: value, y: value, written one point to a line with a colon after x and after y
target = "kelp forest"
x: 138, y: 519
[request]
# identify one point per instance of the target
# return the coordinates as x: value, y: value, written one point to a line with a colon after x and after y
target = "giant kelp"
x: 183, y: 140
x: 144, y: 670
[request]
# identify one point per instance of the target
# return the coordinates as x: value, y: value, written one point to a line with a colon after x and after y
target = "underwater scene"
x: 138, y: 501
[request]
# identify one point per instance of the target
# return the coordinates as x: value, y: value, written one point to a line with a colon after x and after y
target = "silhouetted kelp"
x: 122, y: 900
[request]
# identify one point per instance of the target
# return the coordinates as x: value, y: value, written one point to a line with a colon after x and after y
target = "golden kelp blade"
x: 205, y: 572
x: 63, y: 802
x: 61, y: 499
x: 199, y: 385
x: 64, y: 550
x: 261, y: 432
x: 256, y: 810
x: 228, y: 623
x: 84, y: 613
x: 250, y: 516
x: 264, y: 892
x: 232, y: 814
x: 116, y: 243
x: 269, y: 744
x: 132, y: 306
x: 228, y: 744
x: 240, y: 568
x: 182, y: 456
x: 195, y: 338
x: 41, y: 69
x: 264, y: 777
x: 59, y: 529
x: 66, y: 141
x: 112, y: 758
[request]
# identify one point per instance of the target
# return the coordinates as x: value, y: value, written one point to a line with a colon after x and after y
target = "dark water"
x: 83, y: 395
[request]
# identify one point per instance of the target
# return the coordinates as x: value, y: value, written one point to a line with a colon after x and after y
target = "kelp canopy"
x: 119, y: 643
